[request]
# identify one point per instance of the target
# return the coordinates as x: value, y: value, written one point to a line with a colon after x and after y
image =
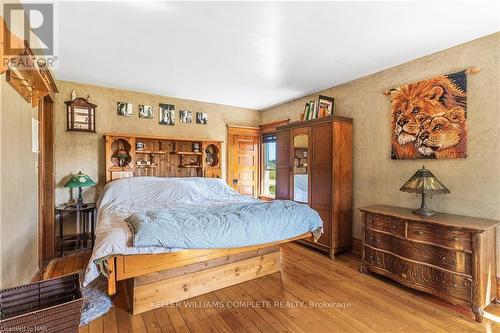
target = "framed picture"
x: 325, y: 106
x: 124, y: 109
x: 146, y: 111
x: 201, y: 118
x: 167, y: 114
x: 185, y: 116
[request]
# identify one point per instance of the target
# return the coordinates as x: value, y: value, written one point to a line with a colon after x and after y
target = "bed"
x: 156, y: 276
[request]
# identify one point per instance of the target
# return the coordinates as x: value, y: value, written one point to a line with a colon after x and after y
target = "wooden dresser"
x: 449, y: 256
x: 314, y: 166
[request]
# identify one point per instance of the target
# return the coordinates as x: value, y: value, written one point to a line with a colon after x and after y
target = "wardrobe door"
x: 283, y: 165
x: 321, y: 195
x: 301, y: 155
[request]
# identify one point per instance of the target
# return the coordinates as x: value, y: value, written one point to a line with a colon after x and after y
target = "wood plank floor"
x: 313, y: 294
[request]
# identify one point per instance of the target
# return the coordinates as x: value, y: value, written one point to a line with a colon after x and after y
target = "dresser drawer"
x: 456, y: 261
x: 385, y: 224
x: 440, y: 235
x: 420, y: 276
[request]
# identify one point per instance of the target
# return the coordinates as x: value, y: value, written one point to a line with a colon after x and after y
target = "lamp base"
x: 423, y: 212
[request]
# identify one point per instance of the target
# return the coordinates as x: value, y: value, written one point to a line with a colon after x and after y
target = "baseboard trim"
x: 356, y: 247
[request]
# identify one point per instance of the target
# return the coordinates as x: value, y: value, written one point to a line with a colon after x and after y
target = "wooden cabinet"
x: 135, y: 156
x: 314, y: 166
x: 449, y: 256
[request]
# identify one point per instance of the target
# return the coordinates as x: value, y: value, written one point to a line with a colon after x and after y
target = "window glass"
x: 269, y: 167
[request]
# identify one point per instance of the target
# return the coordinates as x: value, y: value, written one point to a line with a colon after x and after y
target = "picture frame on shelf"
x: 326, y: 106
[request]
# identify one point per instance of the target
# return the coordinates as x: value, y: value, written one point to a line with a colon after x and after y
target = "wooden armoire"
x: 314, y: 166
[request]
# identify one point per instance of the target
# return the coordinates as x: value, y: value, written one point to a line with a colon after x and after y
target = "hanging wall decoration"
x: 429, y: 118
x: 167, y: 114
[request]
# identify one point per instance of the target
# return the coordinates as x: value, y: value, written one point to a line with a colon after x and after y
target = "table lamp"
x: 424, y: 182
x: 80, y: 180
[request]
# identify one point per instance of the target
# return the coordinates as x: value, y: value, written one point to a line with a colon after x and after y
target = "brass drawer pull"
x: 394, y: 226
x: 419, y: 232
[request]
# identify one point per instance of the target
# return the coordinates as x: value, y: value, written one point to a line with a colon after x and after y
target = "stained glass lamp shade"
x: 80, y: 180
x: 424, y: 182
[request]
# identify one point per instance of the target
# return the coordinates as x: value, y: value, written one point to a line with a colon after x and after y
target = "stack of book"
x: 312, y: 110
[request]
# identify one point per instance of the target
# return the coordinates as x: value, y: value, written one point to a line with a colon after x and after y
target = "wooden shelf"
x: 146, y: 166
x: 190, y: 166
x: 150, y: 152
x: 186, y: 153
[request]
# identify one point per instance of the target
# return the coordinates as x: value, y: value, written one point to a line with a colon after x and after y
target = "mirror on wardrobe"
x: 300, y: 168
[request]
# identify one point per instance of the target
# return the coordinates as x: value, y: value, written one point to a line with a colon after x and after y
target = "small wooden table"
x: 82, y: 217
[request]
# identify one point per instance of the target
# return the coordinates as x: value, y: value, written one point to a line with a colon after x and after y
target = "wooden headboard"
x: 139, y: 155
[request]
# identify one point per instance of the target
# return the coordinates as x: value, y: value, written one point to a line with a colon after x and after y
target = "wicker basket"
x: 47, y: 306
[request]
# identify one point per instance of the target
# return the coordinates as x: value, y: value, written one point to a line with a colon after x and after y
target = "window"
x: 269, y: 167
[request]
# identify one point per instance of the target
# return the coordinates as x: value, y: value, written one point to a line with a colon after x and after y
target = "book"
x: 313, y: 109
x: 306, y: 112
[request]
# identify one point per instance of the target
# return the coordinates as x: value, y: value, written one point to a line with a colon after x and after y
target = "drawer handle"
x: 394, y: 227
x: 373, y: 239
x: 454, y: 285
x: 418, y: 232
x: 456, y: 239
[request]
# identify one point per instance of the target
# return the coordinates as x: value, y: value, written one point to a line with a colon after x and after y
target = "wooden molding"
x: 24, y: 74
x: 271, y: 127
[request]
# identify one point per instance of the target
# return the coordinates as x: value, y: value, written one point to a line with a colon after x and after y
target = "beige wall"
x: 474, y: 182
x: 18, y: 190
x: 85, y: 151
x: 18, y: 183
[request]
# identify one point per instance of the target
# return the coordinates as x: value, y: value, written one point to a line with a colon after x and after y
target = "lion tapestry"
x: 429, y: 118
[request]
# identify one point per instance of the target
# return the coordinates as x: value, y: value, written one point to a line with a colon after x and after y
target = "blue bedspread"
x: 223, y: 227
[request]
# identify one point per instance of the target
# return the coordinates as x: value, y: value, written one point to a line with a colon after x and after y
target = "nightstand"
x: 83, y: 215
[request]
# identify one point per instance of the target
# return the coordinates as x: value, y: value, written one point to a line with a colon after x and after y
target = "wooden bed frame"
x: 157, y: 280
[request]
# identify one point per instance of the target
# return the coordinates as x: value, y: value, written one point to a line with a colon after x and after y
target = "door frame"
x: 235, y: 130
x: 46, y: 178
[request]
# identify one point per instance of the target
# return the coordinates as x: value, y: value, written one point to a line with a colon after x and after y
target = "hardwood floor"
x: 313, y: 294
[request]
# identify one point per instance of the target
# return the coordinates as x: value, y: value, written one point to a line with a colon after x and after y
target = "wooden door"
x: 321, y: 182
x: 243, y: 159
x: 46, y: 179
x: 283, y: 166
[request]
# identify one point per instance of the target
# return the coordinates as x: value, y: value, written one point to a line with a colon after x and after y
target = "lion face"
x: 411, y: 106
x: 442, y: 131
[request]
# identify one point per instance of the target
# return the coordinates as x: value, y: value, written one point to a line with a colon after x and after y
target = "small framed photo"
x: 325, y: 106
x: 185, y: 116
x: 167, y: 114
x: 124, y: 109
x: 201, y: 118
x: 146, y: 111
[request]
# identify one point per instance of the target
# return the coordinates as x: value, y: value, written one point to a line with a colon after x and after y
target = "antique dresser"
x: 451, y: 257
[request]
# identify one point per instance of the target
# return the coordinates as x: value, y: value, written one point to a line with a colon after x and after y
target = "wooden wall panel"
x: 283, y: 166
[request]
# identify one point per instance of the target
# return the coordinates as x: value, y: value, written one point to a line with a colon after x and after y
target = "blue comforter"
x: 223, y: 227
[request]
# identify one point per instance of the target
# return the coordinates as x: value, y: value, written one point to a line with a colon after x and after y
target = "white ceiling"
x: 254, y: 54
